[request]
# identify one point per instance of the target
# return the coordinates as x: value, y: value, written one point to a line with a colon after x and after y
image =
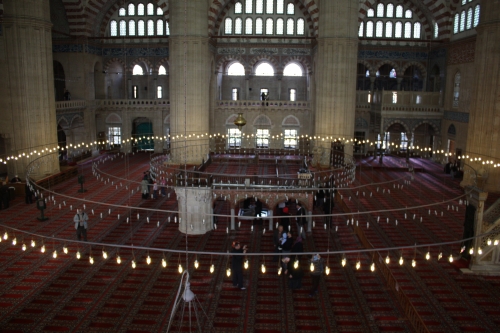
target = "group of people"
x: 151, y: 188
x: 5, y: 195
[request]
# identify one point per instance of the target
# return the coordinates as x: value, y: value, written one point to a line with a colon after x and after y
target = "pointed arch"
x: 113, y: 118
x: 262, y: 120
x: 298, y: 59
x: 114, y: 60
x: 422, y: 68
x: 290, y: 120
x: 262, y: 58
x: 225, y: 60
x: 386, y: 62
x: 428, y: 122
x: 138, y: 61
x: 399, y: 122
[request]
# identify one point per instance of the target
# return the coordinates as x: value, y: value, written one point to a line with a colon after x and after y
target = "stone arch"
x: 430, y: 123
x: 416, y: 64
x: 262, y: 120
x: 386, y: 62
x: 367, y: 65
x: 290, y: 120
x: 75, y: 119
x: 113, y: 60
x: 113, y: 118
x: 300, y: 60
x: 165, y: 62
x: 138, y: 61
x: 262, y: 58
x: 63, y: 122
x: 224, y: 61
x: 452, y: 130
x: 400, y: 122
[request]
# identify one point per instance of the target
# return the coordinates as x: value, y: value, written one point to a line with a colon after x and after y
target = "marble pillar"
x: 484, y: 122
x: 337, y: 56
x: 194, y: 210
x: 28, y: 109
x: 189, y: 80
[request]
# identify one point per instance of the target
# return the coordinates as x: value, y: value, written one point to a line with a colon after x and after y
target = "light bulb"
x: 118, y: 260
x: 91, y: 260
x: 450, y: 258
x: 246, y: 264
x: 148, y: 260
x: 327, y: 270
x: 401, y: 260
x: 14, y: 241
x: 387, y: 260
x: 311, y: 267
x: 372, y: 267
x: 263, y: 268
x: 413, y: 263
x: 54, y: 254
x: 358, y: 264
x: 196, y: 264
x: 427, y: 256
x: 65, y: 250
x: 180, y: 268
x: 42, y: 249
x: 344, y: 262
x: 33, y: 243
x: 104, y: 254
x: 279, y: 270
x: 6, y: 236
x: 164, y: 263
x: 471, y: 251
x: 212, y: 268
x: 440, y: 255
x: 134, y: 265
x: 228, y: 272
x: 296, y: 264
x: 78, y: 255
x: 488, y: 242
x: 23, y: 247
x: 479, y: 250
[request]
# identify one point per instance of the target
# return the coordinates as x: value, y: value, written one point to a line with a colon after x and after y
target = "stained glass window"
x: 300, y: 26
x: 122, y: 12
x: 476, y: 15
x: 370, y: 13
x: 131, y: 9
x: 416, y: 29
x: 456, y: 22
x: 462, y: 21
x: 269, y: 6
x: 159, y: 27
x: 290, y: 26
x: 259, y: 6
x: 123, y: 28
x: 388, y: 29
x: 469, y: 18
x: 238, y: 8
x: 379, y: 30
x: 399, y: 11
x: 280, y: 6
x: 249, y: 6
x: 259, y: 26
x: 151, y: 28
x: 398, y: 30
x: 151, y: 9
x: 140, y: 9
x: 408, y: 14
x: 380, y: 10
x: 279, y: 26
x: 162, y: 70
x: 290, y: 9
x: 131, y: 28
x: 369, y: 29
x: 248, y: 26
x: 436, y: 30
x: 390, y: 10
x: 228, y: 26
x: 113, y: 28
x: 159, y: 11
x: 269, y: 26
x: 408, y: 30
x: 140, y: 28
x: 238, y: 26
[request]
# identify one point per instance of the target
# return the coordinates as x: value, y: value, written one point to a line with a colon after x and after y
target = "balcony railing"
x: 74, y: 104
x: 258, y: 104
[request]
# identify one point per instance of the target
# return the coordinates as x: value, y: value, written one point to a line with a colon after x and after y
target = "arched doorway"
x: 423, y: 136
x: 412, y: 79
x: 59, y: 81
x: 142, y: 129
x: 397, y: 134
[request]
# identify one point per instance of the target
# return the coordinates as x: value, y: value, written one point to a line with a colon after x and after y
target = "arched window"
x: 469, y: 18
x: 390, y: 10
x: 151, y: 9
x: 369, y: 29
x: 140, y: 9
x: 159, y: 27
x: 238, y: 8
x: 259, y: 26
x: 436, y: 30
x: 140, y: 28
x: 236, y: 69
x: 131, y: 28
x: 123, y: 28
x: 167, y: 28
x: 456, y: 23
x: 407, y: 29
x: 398, y: 30
x: 159, y: 11
x: 379, y: 29
x: 399, y: 11
x: 162, y: 70
x: 416, y: 29
x: 408, y: 14
x: 452, y: 130
x: 476, y: 15
x: 300, y: 26
x: 292, y: 69
x: 151, y: 28
x: 269, y: 6
x: 131, y: 9
x: 249, y: 6
x: 113, y: 28
x: 388, y: 29
x: 279, y: 26
x: 238, y: 26
x: 259, y: 6
x: 280, y: 6
x: 248, y: 26
x: 269, y: 26
x: 264, y: 69
x: 228, y: 26
x: 370, y: 13
x: 122, y: 12
x: 290, y: 9
x: 456, y: 90
x: 138, y: 70
x: 462, y: 21
x: 361, y: 29
x: 289, y: 26
x: 380, y: 10
x: 159, y: 92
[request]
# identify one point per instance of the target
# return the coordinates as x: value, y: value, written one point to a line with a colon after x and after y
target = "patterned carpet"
x: 41, y: 294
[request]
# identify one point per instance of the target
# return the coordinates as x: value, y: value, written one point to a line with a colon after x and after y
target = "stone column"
x: 27, y: 109
x: 484, y: 123
x: 372, y: 83
x: 336, y: 62
x: 189, y: 80
x: 194, y: 210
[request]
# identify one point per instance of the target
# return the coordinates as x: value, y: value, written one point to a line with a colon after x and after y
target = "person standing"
x: 155, y: 190
x: 237, y: 265
x: 278, y: 241
x: 80, y: 220
x: 144, y: 188
x: 319, y: 266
